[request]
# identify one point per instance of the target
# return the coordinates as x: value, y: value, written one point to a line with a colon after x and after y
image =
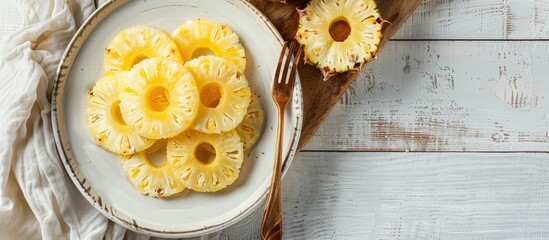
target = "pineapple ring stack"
x: 147, y: 95
x: 331, y: 54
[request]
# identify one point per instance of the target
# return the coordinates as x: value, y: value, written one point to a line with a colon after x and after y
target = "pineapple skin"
x: 206, y: 177
x: 132, y: 45
x: 106, y: 129
x: 218, y: 38
x: 331, y: 56
x: 181, y: 95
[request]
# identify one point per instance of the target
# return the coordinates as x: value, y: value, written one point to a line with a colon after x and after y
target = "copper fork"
x: 283, y: 87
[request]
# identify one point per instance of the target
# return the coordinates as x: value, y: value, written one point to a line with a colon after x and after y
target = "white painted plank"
x: 412, y: 196
x: 464, y: 19
x: 445, y: 96
x: 478, y: 19
x: 10, y: 18
x: 434, y: 19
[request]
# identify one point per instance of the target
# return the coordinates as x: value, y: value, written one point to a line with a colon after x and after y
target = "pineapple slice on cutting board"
x: 104, y: 120
x: 333, y: 53
x: 203, y: 37
x: 224, y: 94
x: 206, y: 162
x: 161, y: 101
x: 136, y: 44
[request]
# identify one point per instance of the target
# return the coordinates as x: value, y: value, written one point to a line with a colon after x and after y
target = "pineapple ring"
x: 224, y: 94
x: 203, y: 37
x: 105, y: 122
x: 206, y: 162
x: 332, y: 55
x: 136, y: 44
x: 250, y: 127
x: 162, y: 99
x: 146, y: 177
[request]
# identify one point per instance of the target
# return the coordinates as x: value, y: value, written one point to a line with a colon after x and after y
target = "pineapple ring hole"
x: 158, y: 98
x: 156, y: 154
x: 116, y: 114
x: 210, y: 95
x: 339, y: 29
x: 203, y: 51
x: 205, y: 153
x: 138, y: 58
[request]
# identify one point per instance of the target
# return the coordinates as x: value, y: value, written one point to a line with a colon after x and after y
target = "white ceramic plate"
x: 97, y: 173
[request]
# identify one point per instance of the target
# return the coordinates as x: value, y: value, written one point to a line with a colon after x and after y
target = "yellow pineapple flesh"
x: 206, y: 162
x: 104, y: 120
x: 224, y: 94
x: 250, y: 127
x: 136, y: 44
x: 162, y: 99
x: 148, y: 178
x: 204, y: 37
x: 332, y: 55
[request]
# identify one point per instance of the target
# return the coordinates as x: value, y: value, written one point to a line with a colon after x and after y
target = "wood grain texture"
x: 412, y: 196
x: 470, y: 19
x: 319, y: 97
x: 445, y: 96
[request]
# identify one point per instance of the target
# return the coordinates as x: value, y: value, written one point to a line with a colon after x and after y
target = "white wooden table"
x: 445, y: 136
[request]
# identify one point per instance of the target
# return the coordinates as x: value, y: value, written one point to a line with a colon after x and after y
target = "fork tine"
x: 278, y: 66
x: 291, y: 80
x: 293, y: 46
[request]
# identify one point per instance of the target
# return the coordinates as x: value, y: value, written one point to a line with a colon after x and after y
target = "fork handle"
x: 271, y: 225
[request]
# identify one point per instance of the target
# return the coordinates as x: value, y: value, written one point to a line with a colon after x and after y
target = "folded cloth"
x: 37, y: 198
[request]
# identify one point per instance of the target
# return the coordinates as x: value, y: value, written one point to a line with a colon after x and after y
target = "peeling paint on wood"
x: 473, y: 19
x: 445, y: 96
x: 429, y: 196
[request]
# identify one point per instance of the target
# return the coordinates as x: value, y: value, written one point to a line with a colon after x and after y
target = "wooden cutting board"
x: 320, y: 97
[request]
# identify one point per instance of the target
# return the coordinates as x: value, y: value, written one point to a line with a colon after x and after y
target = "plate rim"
x: 70, y: 164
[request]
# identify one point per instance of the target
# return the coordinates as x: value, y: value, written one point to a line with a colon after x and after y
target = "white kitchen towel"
x: 37, y: 198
